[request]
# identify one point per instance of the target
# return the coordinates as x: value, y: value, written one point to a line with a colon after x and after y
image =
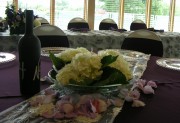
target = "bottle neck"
x: 29, y: 21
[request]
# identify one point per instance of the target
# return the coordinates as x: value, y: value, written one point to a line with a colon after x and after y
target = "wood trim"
x: 90, y: 13
x: 148, y: 12
x: 171, y: 15
x: 52, y: 11
x: 15, y: 2
x: 121, y: 14
x: 85, y: 9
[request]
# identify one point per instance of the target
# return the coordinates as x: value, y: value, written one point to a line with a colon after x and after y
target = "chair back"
x: 51, y: 36
x: 138, y: 24
x: 77, y: 23
x: 42, y: 20
x: 108, y: 24
x: 144, y: 41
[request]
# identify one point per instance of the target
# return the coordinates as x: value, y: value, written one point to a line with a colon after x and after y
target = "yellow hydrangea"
x: 67, y: 55
x: 119, y: 64
x: 83, y: 65
x: 87, y: 65
x: 66, y: 73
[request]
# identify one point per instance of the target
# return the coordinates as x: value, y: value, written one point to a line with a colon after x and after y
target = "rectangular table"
x: 101, y: 39
x: 163, y: 107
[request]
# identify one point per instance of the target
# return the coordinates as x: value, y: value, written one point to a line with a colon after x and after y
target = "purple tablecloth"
x: 9, y: 81
x: 163, y: 107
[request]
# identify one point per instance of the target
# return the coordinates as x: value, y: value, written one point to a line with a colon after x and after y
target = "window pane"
x: 40, y: 8
x: 160, y: 14
x: 105, y: 9
x: 65, y: 10
x: 3, y: 5
x: 133, y: 9
x: 177, y: 17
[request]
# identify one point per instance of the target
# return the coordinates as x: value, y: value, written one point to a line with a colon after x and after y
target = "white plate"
x: 6, y: 57
x: 54, y: 50
x: 171, y: 63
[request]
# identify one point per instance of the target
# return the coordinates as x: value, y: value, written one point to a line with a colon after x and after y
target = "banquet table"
x: 162, y: 107
x: 101, y: 39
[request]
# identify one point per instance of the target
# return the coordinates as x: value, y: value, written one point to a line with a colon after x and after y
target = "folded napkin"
x: 80, y: 29
x: 119, y: 30
x: 155, y: 30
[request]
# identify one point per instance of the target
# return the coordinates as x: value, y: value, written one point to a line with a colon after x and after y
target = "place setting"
x: 45, y: 50
x: 6, y: 59
x: 169, y: 63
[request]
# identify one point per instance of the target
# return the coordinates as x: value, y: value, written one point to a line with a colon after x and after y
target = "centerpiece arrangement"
x: 16, y: 19
x: 88, y: 71
x: 80, y: 68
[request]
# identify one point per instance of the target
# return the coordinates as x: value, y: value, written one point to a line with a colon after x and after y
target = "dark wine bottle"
x: 29, y: 48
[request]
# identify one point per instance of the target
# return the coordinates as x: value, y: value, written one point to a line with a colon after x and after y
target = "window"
x: 106, y: 9
x: 41, y: 7
x: 160, y: 14
x: 3, y: 5
x: 133, y: 9
x: 65, y: 10
x: 177, y: 17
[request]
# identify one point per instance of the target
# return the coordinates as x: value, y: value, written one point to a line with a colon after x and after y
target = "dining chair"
x: 78, y: 23
x: 51, y: 36
x: 43, y: 20
x: 144, y: 41
x: 137, y: 24
x: 108, y: 24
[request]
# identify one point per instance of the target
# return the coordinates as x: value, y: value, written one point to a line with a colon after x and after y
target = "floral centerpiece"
x: 84, y: 68
x: 16, y: 20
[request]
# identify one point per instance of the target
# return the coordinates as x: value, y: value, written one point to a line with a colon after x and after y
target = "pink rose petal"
x: 138, y: 103
x: 134, y: 94
x: 128, y: 98
x: 148, y: 90
x: 152, y: 84
x: 142, y: 81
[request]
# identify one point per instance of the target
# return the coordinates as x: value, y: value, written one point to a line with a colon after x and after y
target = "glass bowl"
x: 113, y: 89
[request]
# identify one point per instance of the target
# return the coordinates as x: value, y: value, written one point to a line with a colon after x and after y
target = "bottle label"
x: 23, y: 70
x: 36, y: 72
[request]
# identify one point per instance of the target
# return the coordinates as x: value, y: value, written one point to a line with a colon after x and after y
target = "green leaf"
x: 111, y: 76
x: 57, y: 62
x: 53, y: 74
x: 106, y: 60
